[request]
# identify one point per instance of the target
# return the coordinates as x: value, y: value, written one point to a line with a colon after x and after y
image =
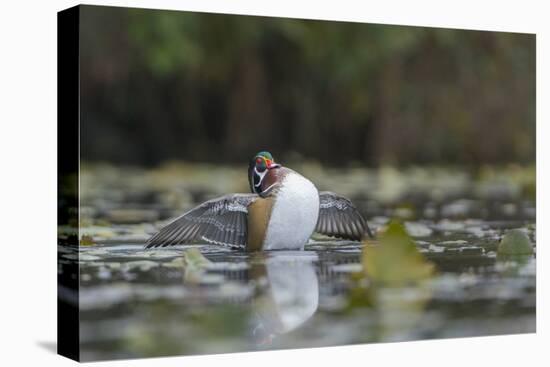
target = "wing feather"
x: 222, y: 220
x: 338, y: 217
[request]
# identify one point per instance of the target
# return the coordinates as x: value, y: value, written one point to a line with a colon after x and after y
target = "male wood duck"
x: 282, y: 212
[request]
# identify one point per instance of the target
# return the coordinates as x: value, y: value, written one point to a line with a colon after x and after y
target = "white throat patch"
x: 261, y: 174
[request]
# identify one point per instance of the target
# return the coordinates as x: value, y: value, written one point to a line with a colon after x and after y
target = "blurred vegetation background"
x: 166, y: 85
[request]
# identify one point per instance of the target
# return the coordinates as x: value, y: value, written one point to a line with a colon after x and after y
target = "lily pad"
x: 86, y: 240
x: 396, y: 261
x: 416, y: 229
x: 515, y: 242
x: 195, y: 267
x: 142, y: 265
x: 193, y: 258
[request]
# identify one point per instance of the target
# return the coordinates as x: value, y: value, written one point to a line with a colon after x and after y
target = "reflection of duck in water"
x: 289, y: 293
x: 282, y: 212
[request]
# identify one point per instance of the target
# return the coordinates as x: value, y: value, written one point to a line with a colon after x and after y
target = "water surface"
x: 141, y: 303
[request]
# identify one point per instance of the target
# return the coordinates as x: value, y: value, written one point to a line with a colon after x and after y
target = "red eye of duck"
x: 258, y: 160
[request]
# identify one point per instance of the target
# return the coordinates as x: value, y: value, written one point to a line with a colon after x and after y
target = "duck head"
x: 258, y: 169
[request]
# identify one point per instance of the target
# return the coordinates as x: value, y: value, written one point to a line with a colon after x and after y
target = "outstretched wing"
x: 339, y: 218
x: 222, y: 220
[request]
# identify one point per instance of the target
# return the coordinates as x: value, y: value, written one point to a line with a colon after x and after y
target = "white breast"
x: 294, y: 214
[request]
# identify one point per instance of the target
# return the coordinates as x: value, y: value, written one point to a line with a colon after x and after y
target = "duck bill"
x: 271, y: 164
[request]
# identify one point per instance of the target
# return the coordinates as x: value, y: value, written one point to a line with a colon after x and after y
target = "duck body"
x: 291, y: 211
x: 282, y: 212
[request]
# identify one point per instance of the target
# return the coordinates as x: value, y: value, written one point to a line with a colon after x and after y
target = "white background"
x: 28, y: 182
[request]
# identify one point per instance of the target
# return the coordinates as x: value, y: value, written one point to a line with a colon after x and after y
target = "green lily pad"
x: 515, y: 242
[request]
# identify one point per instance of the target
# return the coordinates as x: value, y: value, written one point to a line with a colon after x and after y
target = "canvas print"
x: 233, y: 183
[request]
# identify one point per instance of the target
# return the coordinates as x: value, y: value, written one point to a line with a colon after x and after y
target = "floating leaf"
x: 195, y: 267
x: 142, y: 265
x: 395, y: 261
x: 174, y: 263
x: 515, y: 242
x: 193, y: 258
x: 86, y: 240
x: 416, y: 229
x: 126, y: 216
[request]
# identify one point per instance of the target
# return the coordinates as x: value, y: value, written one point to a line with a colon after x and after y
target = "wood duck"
x: 282, y: 212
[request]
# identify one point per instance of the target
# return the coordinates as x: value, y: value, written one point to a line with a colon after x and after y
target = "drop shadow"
x: 50, y: 346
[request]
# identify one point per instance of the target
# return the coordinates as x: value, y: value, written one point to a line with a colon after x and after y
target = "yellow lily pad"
x: 87, y: 240
x: 395, y: 261
x: 193, y: 258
